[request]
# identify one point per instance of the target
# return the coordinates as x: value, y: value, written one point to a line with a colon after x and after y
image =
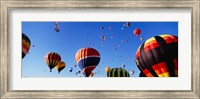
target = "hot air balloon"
x: 128, y: 24
x: 118, y: 72
x: 107, y: 69
x: 52, y: 59
x: 70, y: 69
x: 101, y: 27
x: 123, y: 66
x: 61, y: 65
x: 26, y: 43
x: 137, y: 32
x: 131, y: 72
x: 142, y: 75
x: 109, y: 27
x: 57, y: 28
x: 158, y: 56
x: 87, y: 59
x: 91, y: 75
x: 102, y: 37
x: 141, y: 39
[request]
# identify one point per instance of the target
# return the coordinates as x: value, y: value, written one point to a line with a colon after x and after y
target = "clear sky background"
x: 114, y: 52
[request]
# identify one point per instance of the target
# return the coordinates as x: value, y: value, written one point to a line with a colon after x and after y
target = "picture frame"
x: 8, y: 5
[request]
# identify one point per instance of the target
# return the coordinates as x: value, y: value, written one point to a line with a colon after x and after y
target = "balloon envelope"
x: 57, y: 28
x: 158, y: 56
x: 87, y: 59
x: 92, y: 74
x: 107, y: 69
x: 131, y: 72
x: 118, y: 72
x: 123, y: 66
x: 52, y: 59
x: 60, y: 66
x: 128, y: 24
x: 70, y: 69
x: 137, y: 32
x: 26, y: 43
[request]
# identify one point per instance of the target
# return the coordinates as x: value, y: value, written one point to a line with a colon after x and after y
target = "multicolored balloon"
x: 158, y: 56
x: 107, y: 69
x: 142, y: 75
x: 26, y: 43
x: 137, y: 32
x: 141, y: 38
x: 118, y: 72
x: 87, y: 59
x: 61, y: 65
x: 52, y: 59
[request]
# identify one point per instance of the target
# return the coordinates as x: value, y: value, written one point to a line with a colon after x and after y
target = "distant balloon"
x: 26, y: 43
x: 142, y: 75
x: 131, y: 72
x: 91, y: 75
x: 102, y: 37
x: 123, y: 66
x: 105, y: 38
x: 52, y: 59
x: 70, y: 69
x: 57, y: 28
x: 61, y: 65
x: 128, y: 24
x: 141, y: 38
x: 158, y: 56
x: 110, y: 27
x: 118, y: 72
x: 137, y: 32
x: 87, y: 59
x: 107, y: 69
x: 101, y: 27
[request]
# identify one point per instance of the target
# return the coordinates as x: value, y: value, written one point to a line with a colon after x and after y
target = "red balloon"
x: 137, y: 32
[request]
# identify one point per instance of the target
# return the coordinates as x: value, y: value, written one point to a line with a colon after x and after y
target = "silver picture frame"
x: 8, y: 5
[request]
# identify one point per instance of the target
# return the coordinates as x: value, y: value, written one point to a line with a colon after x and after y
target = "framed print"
x: 99, y: 49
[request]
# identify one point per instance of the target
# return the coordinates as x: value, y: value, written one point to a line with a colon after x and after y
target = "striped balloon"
x: 87, y: 59
x: 61, y: 65
x: 26, y: 43
x: 158, y: 56
x: 142, y: 74
x: 52, y: 59
x: 118, y: 72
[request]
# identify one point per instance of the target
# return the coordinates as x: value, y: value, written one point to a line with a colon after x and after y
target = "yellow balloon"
x: 61, y: 65
x: 107, y: 69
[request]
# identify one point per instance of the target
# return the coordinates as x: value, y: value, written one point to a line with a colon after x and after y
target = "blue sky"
x: 114, y: 52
